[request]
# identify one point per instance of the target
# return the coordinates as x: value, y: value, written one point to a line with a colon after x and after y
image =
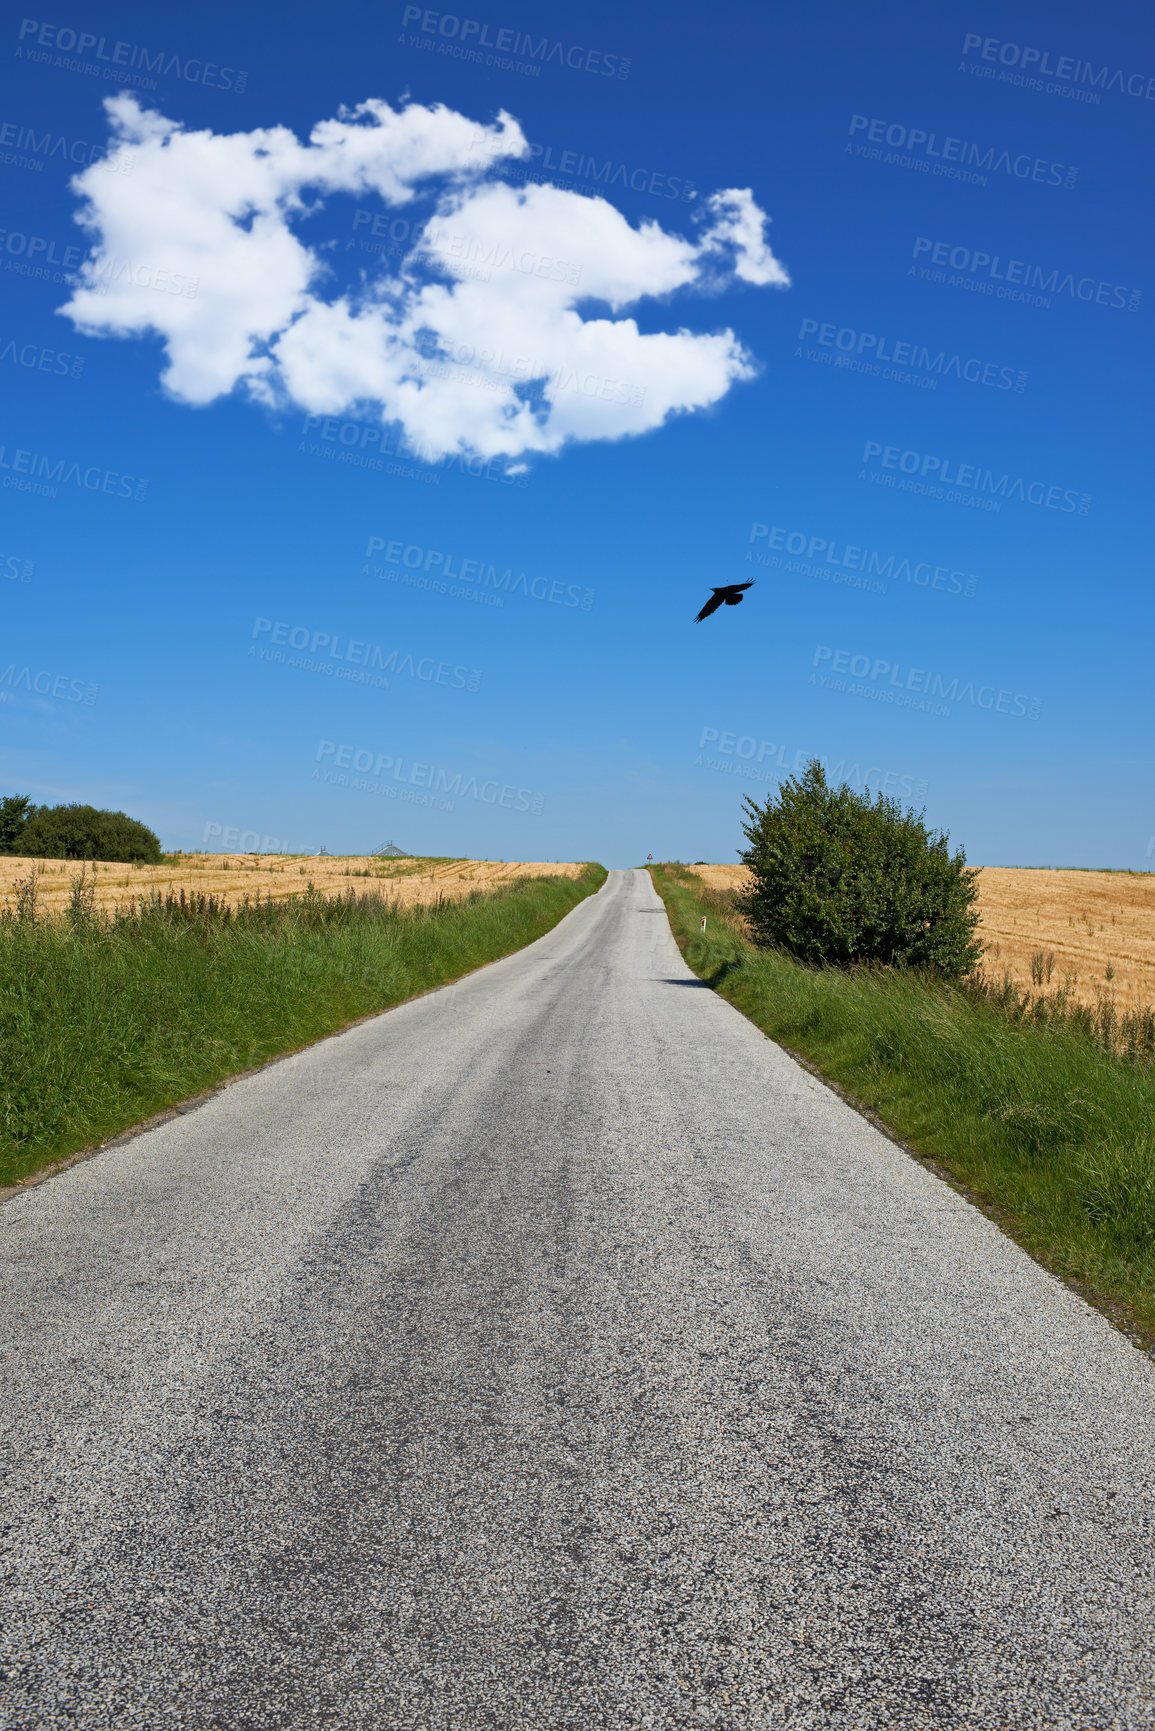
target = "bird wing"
x: 734, y: 588
x: 711, y: 606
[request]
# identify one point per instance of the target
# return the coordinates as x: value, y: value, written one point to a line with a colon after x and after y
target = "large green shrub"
x: 837, y: 878
x: 83, y: 832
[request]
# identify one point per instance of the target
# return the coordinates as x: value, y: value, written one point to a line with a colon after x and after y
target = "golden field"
x: 234, y: 876
x: 1073, y: 925
x: 1092, y: 931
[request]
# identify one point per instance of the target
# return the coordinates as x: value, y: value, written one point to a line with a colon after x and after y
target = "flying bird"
x: 729, y: 595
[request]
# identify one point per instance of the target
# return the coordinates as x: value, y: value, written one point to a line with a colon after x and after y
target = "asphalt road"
x: 554, y: 1352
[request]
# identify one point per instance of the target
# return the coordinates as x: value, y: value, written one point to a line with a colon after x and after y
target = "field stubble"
x: 1090, y: 933
x: 230, y: 878
x: 1043, y: 1115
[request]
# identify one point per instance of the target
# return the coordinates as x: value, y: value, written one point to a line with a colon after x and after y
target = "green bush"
x: 14, y: 810
x: 1044, y: 1120
x: 837, y: 878
x: 82, y: 832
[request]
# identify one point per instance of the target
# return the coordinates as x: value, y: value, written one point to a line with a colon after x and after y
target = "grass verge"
x: 1050, y: 1133
x: 108, y: 1019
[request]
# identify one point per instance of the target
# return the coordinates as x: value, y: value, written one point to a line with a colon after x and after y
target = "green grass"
x: 107, y: 1020
x: 1048, y: 1130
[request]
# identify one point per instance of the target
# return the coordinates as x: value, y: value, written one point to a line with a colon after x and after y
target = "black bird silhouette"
x: 729, y: 595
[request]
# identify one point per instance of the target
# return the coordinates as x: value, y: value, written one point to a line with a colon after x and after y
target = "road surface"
x: 554, y: 1352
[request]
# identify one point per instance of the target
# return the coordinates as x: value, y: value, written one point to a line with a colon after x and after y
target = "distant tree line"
x: 76, y: 832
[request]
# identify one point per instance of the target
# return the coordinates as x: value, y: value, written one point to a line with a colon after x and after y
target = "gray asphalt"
x: 554, y: 1352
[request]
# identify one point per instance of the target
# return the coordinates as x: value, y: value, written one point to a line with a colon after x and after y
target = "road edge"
x: 194, y: 1102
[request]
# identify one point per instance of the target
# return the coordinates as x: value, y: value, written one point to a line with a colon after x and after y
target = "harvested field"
x: 1049, y: 929
x: 234, y: 876
x: 1095, y: 929
x: 721, y: 877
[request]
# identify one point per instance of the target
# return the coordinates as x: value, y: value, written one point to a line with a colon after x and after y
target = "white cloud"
x: 502, y: 332
x: 741, y: 225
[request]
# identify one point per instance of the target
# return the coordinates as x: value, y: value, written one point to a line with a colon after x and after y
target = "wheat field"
x: 1093, y: 932
x: 235, y: 876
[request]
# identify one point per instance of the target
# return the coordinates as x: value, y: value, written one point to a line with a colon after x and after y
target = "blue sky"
x: 931, y: 450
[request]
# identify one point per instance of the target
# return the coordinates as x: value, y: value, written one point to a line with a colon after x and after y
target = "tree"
x: 15, y: 810
x: 82, y: 832
x: 837, y: 878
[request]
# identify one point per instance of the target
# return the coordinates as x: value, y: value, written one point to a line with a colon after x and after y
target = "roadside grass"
x: 106, y: 1019
x: 1044, y: 1123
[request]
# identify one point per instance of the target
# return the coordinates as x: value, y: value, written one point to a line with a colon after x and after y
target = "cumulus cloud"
x: 739, y: 224
x: 505, y: 330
